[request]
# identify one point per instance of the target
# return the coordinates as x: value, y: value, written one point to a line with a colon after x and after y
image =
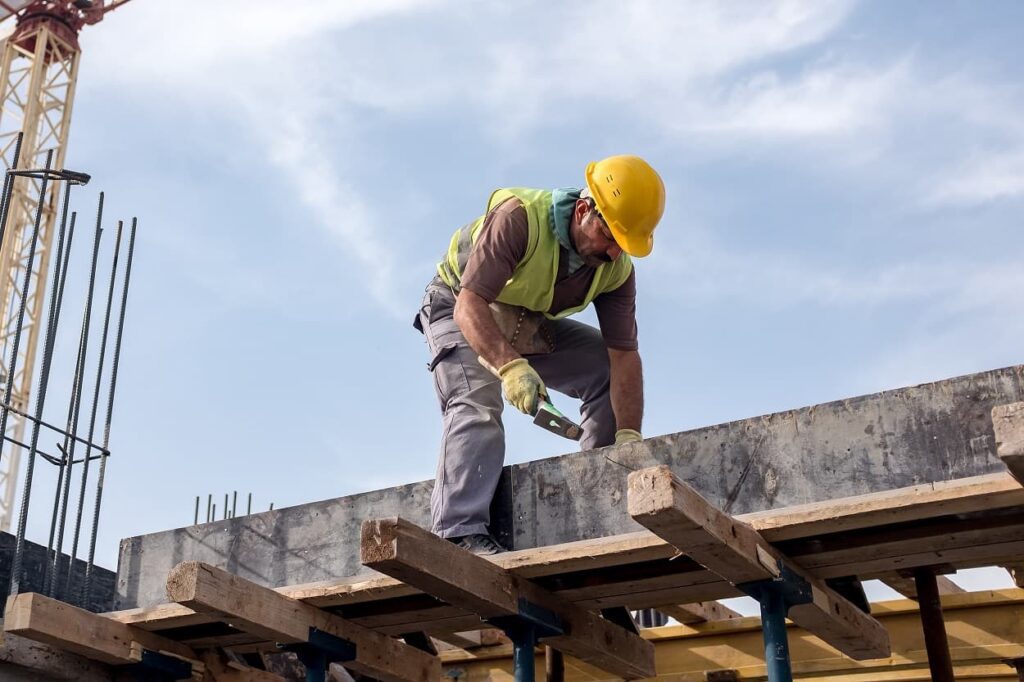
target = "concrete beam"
x: 893, y: 439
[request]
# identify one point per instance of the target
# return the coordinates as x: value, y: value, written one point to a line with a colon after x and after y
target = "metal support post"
x: 776, y: 596
x: 320, y: 651
x: 773, y: 627
x: 524, y: 629
x: 939, y: 661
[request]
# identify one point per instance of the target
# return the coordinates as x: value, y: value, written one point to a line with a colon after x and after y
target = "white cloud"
x: 335, y: 205
x: 822, y: 101
x: 700, y: 71
x: 704, y: 271
x: 292, y: 77
x: 664, y: 56
x: 980, y: 155
x: 980, y: 179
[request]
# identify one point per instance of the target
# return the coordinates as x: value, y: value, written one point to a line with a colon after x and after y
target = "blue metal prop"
x: 157, y: 667
x: 524, y: 629
x: 776, y: 596
x: 319, y: 651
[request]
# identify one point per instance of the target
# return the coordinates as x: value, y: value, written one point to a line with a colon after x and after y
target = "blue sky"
x: 845, y: 183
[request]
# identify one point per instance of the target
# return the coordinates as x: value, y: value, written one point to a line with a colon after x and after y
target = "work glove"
x: 522, y: 386
x: 627, y: 436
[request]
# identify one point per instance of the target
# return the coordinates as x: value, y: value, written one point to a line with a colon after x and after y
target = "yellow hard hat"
x: 630, y: 196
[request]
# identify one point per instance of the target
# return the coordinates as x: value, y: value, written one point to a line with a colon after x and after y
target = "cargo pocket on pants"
x: 442, y: 353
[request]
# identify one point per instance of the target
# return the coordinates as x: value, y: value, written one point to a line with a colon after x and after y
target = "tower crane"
x: 38, y: 72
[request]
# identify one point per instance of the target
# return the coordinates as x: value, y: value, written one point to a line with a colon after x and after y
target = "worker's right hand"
x: 522, y: 385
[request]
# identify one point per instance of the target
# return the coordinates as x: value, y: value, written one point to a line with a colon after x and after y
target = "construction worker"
x: 495, y: 323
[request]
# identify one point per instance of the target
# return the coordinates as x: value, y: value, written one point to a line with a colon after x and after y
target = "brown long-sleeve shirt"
x: 500, y: 246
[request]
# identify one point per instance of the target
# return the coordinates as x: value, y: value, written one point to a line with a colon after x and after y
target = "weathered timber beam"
x: 699, y: 612
x: 1008, y: 424
x: 407, y: 552
x: 732, y: 549
x: 262, y: 611
x: 82, y: 632
x: 49, y: 662
x: 905, y: 585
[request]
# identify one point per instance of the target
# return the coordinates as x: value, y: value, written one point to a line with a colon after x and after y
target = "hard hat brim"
x: 638, y: 248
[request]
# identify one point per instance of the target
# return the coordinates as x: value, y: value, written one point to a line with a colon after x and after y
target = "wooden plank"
x: 264, y: 612
x: 959, y: 496
x: 905, y: 585
x: 417, y: 557
x: 673, y: 510
x: 898, y: 547
x: 699, y: 612
x: 1008, y: 424
x: 48, y: 662
x: 81, y: 632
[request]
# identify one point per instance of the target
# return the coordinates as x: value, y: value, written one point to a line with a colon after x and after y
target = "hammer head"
x: 554, y: 421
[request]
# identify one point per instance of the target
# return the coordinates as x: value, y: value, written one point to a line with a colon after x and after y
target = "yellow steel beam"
x: 984, y: 628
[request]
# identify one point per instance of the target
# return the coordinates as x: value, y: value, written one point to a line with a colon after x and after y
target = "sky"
x: 844, y: 190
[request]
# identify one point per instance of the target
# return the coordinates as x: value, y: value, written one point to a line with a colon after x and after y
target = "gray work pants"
x: 473, y: 442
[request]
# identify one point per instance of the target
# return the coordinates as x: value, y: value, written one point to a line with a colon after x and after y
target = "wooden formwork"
x: 692, y: 555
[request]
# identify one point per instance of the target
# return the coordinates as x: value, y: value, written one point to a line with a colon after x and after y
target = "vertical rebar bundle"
x: 59, y: 575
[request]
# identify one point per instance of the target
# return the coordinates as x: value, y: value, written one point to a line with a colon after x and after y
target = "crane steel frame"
x: 38, y: 73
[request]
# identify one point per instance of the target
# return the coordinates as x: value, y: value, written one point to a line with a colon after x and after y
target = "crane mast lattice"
x: 38, y: 72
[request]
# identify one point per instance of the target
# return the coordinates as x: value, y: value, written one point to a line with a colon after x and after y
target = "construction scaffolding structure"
x: 193, y: 610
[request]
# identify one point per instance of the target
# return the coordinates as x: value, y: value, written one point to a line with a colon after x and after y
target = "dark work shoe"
x: 481, y: 544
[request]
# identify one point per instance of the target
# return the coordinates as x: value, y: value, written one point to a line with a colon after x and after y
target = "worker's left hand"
x: 627, y: 436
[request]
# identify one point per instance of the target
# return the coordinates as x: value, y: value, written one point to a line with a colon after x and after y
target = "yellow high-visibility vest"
x: 533, y: 280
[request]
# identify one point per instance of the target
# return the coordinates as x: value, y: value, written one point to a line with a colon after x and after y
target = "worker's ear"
x: 581, y: 209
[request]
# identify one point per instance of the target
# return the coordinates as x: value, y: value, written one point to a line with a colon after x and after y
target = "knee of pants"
x: 480, y: 407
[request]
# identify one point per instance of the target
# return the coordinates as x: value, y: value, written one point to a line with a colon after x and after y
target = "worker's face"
x: 591, y: 236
